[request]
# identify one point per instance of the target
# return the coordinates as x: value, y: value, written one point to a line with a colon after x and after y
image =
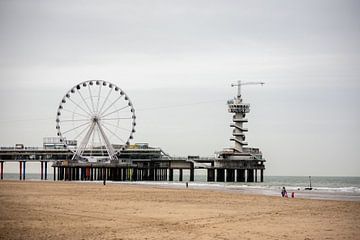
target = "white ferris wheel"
x: 99, y: 116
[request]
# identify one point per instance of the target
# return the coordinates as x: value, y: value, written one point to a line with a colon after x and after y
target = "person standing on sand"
x: 283, y: 192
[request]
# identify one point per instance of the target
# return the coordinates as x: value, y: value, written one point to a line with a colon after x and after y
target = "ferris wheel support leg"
x: 108, y: 145
x: 85, y: 141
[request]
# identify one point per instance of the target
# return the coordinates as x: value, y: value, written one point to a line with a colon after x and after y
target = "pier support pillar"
x: 45, y: 170
x: 256, y: 175
x: 141, y: 174
x: 134, y: 174
x: 230, y: 175
x: 180, y: 175
x: 144, y: 174
x: 41, y: 170
x: 220, y: 175
x: 62, y: 173
x: 2, y: 170
x: 24, y: 170
x: 211, y: 175
x: 20, y: 170
x: 54, y: 173
x: 120, y: 174
x: 192, y: 173
x: 152, y: 175
x: 73, y: 173
x: 68, y: 173
x: 77, y: 173
x: 262, y: 175
x: 250, y: 175
x: 240, y: 175
x: 156, y: 174
x: 171, y: 174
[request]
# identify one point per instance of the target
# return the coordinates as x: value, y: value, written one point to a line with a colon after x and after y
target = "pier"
x: 136, y: 164
x: 87, y: 145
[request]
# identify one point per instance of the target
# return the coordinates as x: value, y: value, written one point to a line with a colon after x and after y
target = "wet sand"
x: 69, y: 210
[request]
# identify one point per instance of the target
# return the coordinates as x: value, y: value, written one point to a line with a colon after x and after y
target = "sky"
x: 177, y: 59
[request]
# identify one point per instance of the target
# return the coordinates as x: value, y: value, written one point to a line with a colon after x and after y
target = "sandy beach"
x: 69, y: 210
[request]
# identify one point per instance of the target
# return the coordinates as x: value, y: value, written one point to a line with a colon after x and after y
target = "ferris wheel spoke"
x: 74, y: 120
x: 82, y: 131
x: 92, y: 142
x: 85, y: 102
x: 112, y: 104
x: 79, y: 126
x: 112, y: 119
x: 97, y: 104
x: 92, y: 100
x: 80, y: 107
x: 113, y: 134
x: 121, y: 128
x: 115, y: 111
x: 107, y: 97
x: 76, y: 113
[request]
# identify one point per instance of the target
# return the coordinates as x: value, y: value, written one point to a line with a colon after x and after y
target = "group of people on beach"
x: 284, y: 193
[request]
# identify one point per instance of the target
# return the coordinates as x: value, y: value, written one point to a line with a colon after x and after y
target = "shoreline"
x: 316, y: 193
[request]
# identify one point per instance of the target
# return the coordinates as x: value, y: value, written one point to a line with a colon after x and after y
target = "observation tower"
x: 247, y: 161
x: 239, y: 109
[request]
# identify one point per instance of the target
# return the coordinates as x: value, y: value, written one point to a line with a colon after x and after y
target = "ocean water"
x: 334, y: 188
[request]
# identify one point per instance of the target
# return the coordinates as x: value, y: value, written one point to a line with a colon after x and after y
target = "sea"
x: 323, y: 187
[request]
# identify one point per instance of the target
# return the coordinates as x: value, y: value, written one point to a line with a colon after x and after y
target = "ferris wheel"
x: 98, y: 117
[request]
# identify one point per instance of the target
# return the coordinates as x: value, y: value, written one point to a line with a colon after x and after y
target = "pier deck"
x: 133, y: 165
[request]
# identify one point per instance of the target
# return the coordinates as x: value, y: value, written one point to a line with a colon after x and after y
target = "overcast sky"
x: 176, y: 61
